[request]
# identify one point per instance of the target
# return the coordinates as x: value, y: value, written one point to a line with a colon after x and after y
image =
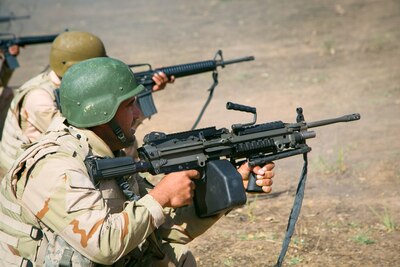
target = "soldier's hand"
x: 175, y: 189
x: 161, y: 80
x: 264, y: 175
x: 13, y: 50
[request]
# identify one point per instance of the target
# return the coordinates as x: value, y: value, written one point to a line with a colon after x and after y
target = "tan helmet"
x: 72, y: 47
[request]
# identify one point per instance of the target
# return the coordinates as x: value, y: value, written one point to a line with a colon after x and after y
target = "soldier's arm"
x: 37, y: 111
x: 181, y: 225
x: 63, y: 197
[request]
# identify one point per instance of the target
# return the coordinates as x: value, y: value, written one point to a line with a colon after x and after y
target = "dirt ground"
x: 329, y: 57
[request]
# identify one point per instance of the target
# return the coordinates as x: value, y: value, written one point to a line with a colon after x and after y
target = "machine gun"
x: 145, y: 77
x: 216, y: 153
x: 21, y: 41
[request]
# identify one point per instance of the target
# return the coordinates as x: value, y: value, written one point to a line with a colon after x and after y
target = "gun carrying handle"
x: 252, y: 187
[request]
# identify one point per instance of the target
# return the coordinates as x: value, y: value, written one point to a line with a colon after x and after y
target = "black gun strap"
x: 126, y: 189
x: 215, y: 78
x: 294, y: 214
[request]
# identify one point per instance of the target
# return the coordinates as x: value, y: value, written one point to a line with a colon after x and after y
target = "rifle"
x: 216, y: 153
x: 12, y: 17
x: 21, y: 41
x: 145, y: 77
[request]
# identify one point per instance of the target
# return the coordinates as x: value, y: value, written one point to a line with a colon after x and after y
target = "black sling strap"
x: 294, y: 214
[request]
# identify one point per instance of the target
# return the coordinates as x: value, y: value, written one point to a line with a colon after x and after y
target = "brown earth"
x: 329, y: 57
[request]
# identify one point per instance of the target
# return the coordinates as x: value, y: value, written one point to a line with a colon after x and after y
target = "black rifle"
x: 217, y: 151
x: 12, y: 17
x: 145, y: 78
x: 21, y: 41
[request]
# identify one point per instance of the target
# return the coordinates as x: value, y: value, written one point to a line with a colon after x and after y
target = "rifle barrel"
x: 233, y: 61
x: 345, y: 118
x: 10, y: 18
x: 29, y: 40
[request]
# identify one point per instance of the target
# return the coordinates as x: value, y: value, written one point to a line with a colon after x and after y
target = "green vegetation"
x: 363, y: 239
x: 250, y: 206
x: 294, y: 261
x: 339, y: 167
x: 386, y: 219
x: 228, y: 262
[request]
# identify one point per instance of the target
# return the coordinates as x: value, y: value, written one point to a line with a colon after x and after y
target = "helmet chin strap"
x: 119, y: 133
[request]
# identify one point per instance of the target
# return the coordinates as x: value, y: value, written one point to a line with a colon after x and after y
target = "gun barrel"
x: 10, y: 18
x: 29, y: 40
x: 233, y: 61
x: 200, y: 67
x: 345, y: 118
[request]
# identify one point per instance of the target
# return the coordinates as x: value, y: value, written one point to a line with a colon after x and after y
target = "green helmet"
x: 92, y: 90
x: 72, y: 47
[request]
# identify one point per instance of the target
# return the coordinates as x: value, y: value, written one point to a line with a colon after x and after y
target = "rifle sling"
x: 294, y: 214
x: 210, y: 95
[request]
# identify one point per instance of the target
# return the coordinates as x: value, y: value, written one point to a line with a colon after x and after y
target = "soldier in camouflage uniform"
x: 34, y: 106
x: 53, y: 214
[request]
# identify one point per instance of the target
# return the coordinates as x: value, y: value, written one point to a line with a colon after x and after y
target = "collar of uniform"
x: 54, y: 78
x: 97, y: 144
x: 46, y: 75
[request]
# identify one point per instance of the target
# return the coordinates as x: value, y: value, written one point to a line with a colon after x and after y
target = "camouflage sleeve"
x: 37, y: 112
x: 181, y: 225
x: 63, y: 197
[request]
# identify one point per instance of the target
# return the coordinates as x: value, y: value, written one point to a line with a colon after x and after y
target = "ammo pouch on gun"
x: 219, y: 190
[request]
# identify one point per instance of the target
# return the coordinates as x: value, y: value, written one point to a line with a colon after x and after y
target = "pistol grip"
x: 252, y: 187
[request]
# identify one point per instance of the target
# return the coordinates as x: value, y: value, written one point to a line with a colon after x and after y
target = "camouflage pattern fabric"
x: 24, y: 126
x: 95, y: 219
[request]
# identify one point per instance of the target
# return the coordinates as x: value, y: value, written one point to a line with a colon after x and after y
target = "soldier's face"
x: 127, y: 115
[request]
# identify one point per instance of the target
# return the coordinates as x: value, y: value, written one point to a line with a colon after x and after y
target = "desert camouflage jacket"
x: 25, y: 125
x: 50, y: 181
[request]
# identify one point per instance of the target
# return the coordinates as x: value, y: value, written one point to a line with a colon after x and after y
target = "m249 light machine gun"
x: 145, y: 77
x: 216, y: 153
